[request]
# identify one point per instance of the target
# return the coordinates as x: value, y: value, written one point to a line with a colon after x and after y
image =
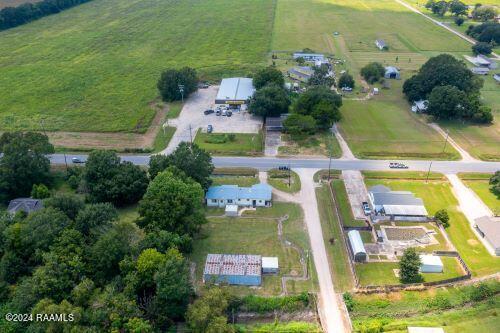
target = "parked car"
x: 210, y: 129
x: 203, y: 85
x: 77, y: 160
x: 229, y: 113
x: 396, y: 165
x: 218, y: 112
x: 366, y: 208
x: 209, y: 111
x: 224, y: 112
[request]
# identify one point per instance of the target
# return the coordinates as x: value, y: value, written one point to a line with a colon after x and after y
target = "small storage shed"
x: 231, y: 210
x: 392, y: 72
x: 270, y: 265
x: 357, y: 247
x: 431, y: 264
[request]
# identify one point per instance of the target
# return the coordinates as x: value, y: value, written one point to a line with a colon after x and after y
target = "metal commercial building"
x: 235, y: 91
x: 395, y: 203
x: 234, y: 269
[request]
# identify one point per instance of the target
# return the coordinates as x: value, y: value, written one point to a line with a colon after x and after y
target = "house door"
x: 254, y: 203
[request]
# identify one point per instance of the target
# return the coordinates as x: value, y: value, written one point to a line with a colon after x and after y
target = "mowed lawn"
x: 479, y: 183
x: 94, y: 67
x: 244, y: 144
x: 437, y: 195
x: 383, y: 127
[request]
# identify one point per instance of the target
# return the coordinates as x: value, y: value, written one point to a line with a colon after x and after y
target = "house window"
x: 260, y: 200
x: 229, y: 200
x: 214, y: 200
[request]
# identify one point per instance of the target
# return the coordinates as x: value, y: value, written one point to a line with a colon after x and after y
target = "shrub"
x: 480, y: 292
x: 267, y: 304
x: 373, y: 72
x: 349, y: 301
x: 40, y: 191
x: 440, y: 302
x: 482, y: 48
x: 442, y: 217
x: 459, y: 21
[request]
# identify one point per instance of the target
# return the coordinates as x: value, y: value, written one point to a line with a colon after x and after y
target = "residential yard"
x: 344, y: 205
x: 437, y: 195
x: 382, y: 273
x: 94, y: 67
x: 280, y: 180
x: 337, y: 254
x: 322, y: 144
x: 231, y: 144
x: 479, y: 183
x: 244, y: 181
x: 256, y: 233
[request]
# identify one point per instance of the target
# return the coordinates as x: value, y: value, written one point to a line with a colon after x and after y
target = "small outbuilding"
x: 392, y: 72
x: 420, y: 106
x: 357, y: 247
x: 496, y: 77
x: 270, y: 265
x: 231, y: 210
x: 301, y: 73
x: 381, y: 44
x: 431, y: 264
x: 235, y: 91
x: 27, y: 205
x: 480, y: 70
x: 309, y: 57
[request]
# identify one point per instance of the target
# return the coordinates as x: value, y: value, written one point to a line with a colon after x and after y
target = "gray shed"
x: 392, y: 72
x: 27, y: 205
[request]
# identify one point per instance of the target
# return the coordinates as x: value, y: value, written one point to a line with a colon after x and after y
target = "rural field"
x: 383, y: 127
x: 479, y: 183
x: 94, y: 67
x: 437, y: 195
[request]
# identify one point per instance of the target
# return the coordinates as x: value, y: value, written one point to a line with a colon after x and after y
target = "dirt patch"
x: 472, y: 242
x: 117, y: 141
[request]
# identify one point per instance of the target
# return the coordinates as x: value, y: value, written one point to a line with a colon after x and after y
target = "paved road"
x: 266, y: 163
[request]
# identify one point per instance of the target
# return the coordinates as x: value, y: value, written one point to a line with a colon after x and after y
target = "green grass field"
x: 482, y: 189
x: 381, y: 273
x: 337, y: 254
x: 438, y: 195
x: 344, y: 205
x: 279, y: 180
x: 244, y: 144
x: 94, y: 67
x: 256, y: 234
x: 322, y: 144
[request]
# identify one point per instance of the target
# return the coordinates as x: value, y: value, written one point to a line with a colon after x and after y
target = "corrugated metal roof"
x: 233, y: 264
x: 356, y: 242
x: 234, y: 192
x: 409, y: 210
x: 396, y: 198
x: 270, y: 262
x: 235, y: 89
x: 490, y: 227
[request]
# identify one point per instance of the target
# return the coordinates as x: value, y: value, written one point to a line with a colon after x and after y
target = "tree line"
x: 11, y: 17
x: 78, y: 255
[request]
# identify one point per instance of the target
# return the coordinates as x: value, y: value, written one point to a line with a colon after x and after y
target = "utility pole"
x: 446, y: 140
x: 181, y: 90
x: 190, y: 135
x: 428, y: 172
x: 330, y: 157
x: 289, y: 175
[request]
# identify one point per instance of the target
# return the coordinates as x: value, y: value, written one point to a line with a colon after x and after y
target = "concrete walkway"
x: 470, y: 205
x: 346, y: 151
x: 466, y: 157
